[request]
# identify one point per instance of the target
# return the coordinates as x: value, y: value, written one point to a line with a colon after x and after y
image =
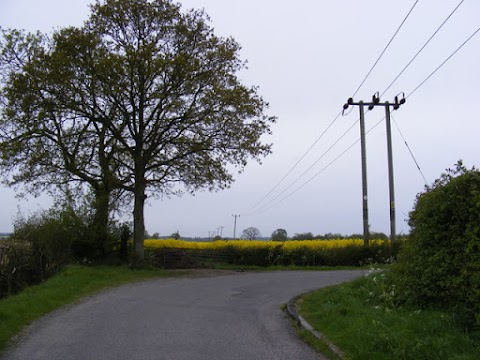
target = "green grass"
x: 363, y: 320
x: 66, y: 287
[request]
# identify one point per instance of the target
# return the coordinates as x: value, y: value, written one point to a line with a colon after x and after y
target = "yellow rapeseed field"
x: 255, y: 244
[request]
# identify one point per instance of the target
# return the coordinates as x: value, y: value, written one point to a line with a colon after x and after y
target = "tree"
x: 159, y: 92
x: 279, y: 235
x: 303, y: 236
x: 251, y: 233
x: 48, y: 136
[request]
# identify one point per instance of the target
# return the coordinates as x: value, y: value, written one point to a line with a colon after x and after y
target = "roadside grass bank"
x: 363, y: 320
x: 69, y: 285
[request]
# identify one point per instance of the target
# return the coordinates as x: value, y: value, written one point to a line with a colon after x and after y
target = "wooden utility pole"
x: 235, y: 226
x: 361, y: 104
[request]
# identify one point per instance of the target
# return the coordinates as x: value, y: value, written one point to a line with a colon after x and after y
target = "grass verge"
x: 362, y: 319
x: 66, y: 287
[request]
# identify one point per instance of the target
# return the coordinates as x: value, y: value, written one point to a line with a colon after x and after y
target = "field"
x: 341, y: 252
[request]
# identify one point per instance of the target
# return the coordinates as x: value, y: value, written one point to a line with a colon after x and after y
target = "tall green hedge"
x: 440, y: 263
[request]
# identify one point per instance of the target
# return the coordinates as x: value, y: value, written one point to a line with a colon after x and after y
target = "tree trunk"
x: 138, y: 219
x: 101, y: 217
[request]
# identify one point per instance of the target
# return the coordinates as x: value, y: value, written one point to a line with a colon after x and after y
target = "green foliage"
x: 68, y: 106
x: 303, y: 236
x: 48, y: 240
x: 279, y: 235
x: 440, y: 263
x: 14, y: 266
x: 50, y: 236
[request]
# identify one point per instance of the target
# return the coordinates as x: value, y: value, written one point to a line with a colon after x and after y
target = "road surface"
x: 235, y: 316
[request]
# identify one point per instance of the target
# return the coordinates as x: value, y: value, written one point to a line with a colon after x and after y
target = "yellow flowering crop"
x: 347, y: 252
x: 256, y: 244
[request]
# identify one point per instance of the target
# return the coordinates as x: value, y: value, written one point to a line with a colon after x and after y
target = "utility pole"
x: 361, y: 104
x: 221, y: 230
x: 376, y: 102
x: 235, y: 226
x: 395, y: 106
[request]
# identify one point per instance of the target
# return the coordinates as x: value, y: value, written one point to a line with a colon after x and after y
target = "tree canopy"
x: 251, y: 233
x: 280, y: 235
x: 144, y: 99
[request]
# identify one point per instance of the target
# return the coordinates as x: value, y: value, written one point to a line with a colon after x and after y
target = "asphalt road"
x: 235, y: 316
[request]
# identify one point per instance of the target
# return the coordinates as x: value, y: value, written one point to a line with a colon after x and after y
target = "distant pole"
x: 390, y: 172
x: 235, y: 226
x: 221, y: 230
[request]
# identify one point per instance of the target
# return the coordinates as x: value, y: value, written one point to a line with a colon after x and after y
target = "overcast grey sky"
x: 308, y: 57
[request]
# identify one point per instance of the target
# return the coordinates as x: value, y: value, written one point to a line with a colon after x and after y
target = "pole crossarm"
x: 376, y: 102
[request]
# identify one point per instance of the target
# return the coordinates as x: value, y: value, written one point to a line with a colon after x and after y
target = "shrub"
x: 50, y: 236
x: 440, y: 263
x: 14, y: 266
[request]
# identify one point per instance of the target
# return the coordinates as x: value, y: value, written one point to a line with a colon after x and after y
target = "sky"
x: 308, y: 57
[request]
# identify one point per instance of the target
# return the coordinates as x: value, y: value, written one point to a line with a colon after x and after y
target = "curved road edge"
x: 291, y: 310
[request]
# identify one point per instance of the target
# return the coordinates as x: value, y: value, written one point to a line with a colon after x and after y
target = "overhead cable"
x: 296, y: 164
x: 323, y: 169
x: 309, y: 168
x: 443, y: 63
x: 384, y: 49
x: 330, y: 125
x: 421, y: 49
x: 410, y: 150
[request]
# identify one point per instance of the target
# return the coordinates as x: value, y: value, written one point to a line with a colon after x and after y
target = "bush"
x: 440, y: 263
x: 14, y: 266
x: 50, y: 236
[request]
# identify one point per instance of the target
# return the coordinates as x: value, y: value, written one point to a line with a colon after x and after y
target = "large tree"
x: 153, y: 95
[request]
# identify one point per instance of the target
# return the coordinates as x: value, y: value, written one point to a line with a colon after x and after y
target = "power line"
x: 443, y: 63
x: 265, y: 208
x: 351, y: 146
x: 385, y: 49
x: 421, y: 49
x: 296, y: 164
x: 420, y: 85
x: 328, y: 127
x: 410, y: 150
x: 309, y: 168
x: 324, y: 168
